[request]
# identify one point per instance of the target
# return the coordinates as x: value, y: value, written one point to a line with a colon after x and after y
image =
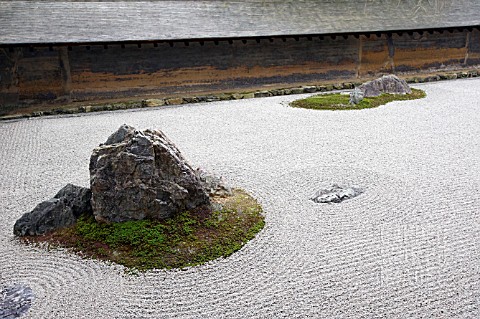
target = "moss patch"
x: 337, y: 101
x: 188, y: 239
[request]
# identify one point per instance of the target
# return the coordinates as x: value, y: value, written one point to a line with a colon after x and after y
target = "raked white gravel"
x: 408, y: 247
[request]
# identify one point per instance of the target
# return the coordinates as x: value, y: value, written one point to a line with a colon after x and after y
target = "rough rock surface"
x: 214, y: 185
x: 15, y: 300
x: 141, y: 174
x: 356, y: 96
x: 386, y: 84
x: 335, y: 194
x: 61, y: 211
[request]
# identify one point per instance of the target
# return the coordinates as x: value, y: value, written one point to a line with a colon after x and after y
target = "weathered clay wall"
x: 9, y: 76
x: 30, y: 76
x: 193, y: 68
x: 95, y: 72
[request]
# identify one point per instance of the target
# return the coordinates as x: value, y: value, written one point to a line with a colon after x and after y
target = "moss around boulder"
x: 147, y: 208
x: 187, y: 239
x: 338, y: 101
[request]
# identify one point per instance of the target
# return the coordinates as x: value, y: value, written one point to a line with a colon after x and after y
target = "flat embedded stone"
x: 335, y: 194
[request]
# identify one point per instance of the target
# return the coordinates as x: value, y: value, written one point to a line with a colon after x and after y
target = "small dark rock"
x: 310, y: 89
x: 321, y: 88
x: 153, y: 102
x: 297, y: 90
x: 451, y: 76
x: 224, y: 97
x: 212, y: 98
x: 15, y: 301
x: 472, y: 73
x: 61, y: 211
x: 442, y: 76
x: 276, y: 92
x: 190, y: 99
x: 237, y: 96
x: 262, y: 94
x: 174, y: 101
x: 97, y: 108
x: 119, y: 106
x: 432, y: 78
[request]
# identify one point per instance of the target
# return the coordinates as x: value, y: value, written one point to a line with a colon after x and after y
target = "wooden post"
x: 65, y: 67
x: 360, y: 51
x: 467, y: 47
x: 9, y: 91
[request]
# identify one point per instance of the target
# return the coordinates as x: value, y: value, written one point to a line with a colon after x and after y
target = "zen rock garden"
x: 340, y: 189
x: 147, y: 207
x: 140, y: 181
x: 138, y: 176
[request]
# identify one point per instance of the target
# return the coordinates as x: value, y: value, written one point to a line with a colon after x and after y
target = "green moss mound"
x: 188, y: 239
x: 337, y: 101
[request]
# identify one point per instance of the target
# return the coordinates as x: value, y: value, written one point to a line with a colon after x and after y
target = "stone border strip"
x: 229, y: 96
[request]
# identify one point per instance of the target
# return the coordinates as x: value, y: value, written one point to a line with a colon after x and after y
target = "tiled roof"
x: 87, y: 21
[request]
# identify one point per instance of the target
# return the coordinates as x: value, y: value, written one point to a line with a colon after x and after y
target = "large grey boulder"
x: 386, y: 84
x: 141, y: 174
x: 61, y: 211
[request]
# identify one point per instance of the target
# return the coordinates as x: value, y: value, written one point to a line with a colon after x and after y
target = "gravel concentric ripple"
x: 407, y: 247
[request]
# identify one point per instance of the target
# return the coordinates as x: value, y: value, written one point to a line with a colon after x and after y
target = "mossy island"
x: 338, y: 101
x: 187, y: 239
x: 146, y: 208
x: 369, y: 95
